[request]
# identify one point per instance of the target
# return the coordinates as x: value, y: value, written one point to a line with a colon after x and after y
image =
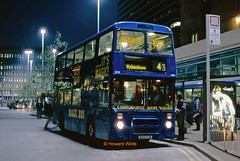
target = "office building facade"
x: 163, y: 12
x: 16, y: 67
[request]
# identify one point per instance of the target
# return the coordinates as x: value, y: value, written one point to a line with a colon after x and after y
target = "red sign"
x: 214, y: 20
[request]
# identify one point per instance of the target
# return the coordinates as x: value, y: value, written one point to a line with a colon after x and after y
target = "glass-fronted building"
x: 224, y: 65
x: 15, y: 69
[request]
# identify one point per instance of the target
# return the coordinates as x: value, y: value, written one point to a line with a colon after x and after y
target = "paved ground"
x: 195, y: 139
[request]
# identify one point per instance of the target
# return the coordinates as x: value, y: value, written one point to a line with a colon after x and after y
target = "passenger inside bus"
x: 138, y: 96
x: 118, y: 91
x: 142, y: 93
x: 156, y: 96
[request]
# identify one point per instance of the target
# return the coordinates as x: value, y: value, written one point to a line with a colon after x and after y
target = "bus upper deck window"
x: 159, y: 43
x: 130, y: 41
x: 70, y: 57
x: 90, y: 50
x: 79, y: 55
x: 61, y: 61
x: 105, y: 43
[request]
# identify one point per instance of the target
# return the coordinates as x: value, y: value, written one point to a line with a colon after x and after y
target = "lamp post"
x: 98, y: 15
x: 43, y: 31
x: 31, y: 64
x: 28, y: 52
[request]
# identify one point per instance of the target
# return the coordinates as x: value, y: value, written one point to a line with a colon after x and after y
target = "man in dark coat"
x: 180, y: 114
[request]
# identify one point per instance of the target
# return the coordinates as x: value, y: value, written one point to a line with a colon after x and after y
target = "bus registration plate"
x: 142, y: 137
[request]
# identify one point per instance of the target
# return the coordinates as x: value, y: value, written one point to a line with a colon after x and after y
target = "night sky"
x: 76, y: 20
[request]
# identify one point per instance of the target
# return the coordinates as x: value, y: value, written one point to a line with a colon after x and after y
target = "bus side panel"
x: 102, y: 123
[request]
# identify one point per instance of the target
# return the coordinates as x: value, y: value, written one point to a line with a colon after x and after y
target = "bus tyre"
x: 90, y: 132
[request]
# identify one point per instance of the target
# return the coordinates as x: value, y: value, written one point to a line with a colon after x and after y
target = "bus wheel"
x: 61, y: 123
x: 90, y: 132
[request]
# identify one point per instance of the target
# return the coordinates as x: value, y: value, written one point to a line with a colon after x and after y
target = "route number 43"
x: 161, y: 67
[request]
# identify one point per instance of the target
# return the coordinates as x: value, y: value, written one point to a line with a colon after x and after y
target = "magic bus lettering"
x: 104, y: 62
x: 158, y: 43
x: 72, y: 113
x: 132, y: 40
x: 76, y: 113
x: 102, y: 69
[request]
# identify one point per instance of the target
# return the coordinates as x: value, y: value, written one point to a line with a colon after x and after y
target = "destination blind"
x: 145, y: 64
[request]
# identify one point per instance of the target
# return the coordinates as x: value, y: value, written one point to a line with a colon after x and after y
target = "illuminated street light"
x: 43, y: 31
x: 54, y: 52
x: 28, y: 52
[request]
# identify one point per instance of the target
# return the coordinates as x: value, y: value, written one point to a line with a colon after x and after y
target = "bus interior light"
x: 109, y: 49
x: 120, y: 116
x: 151, y: 33
x: 169, y: 116
x: 124, y: 44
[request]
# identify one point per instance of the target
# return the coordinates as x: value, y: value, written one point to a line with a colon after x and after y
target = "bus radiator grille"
x: 145, y: 126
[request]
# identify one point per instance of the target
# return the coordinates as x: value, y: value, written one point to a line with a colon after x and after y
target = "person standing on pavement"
x: 180, y: 114
x: 39, y: 110
x: 189, y: 111
x: 197, y: 114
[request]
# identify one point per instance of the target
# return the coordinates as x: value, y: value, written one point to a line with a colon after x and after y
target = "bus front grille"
x: 145, y: 126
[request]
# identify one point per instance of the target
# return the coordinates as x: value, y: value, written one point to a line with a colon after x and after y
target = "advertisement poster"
x: 223, y: 106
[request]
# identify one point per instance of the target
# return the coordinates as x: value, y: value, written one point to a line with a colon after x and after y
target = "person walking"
x: 48, y: 113
x: 197, y: 114
x: 180, y: 113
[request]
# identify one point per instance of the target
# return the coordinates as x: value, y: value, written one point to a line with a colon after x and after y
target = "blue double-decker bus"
x: 118, y: 84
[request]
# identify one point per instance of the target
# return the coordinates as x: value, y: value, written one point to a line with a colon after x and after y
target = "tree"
x: 42, y: 79
x: 49, y: 62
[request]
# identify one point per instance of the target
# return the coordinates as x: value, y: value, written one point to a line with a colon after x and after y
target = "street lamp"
x: 31, y: 64
x: 98, y: 15
x: 54, y: 52
x: 28, y: 52
x: 43, y: 31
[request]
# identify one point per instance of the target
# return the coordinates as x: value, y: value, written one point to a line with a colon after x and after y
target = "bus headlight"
x: 168, y: 124
x: 120, y: 125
